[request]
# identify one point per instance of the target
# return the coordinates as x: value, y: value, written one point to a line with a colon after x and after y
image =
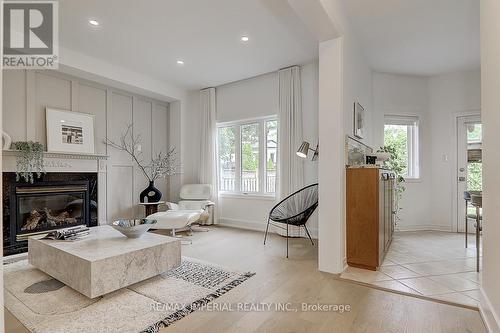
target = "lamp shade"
x: 303, y: 149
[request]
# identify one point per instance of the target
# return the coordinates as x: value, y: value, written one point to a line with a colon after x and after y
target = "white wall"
x: 258, y: 97
x: 449, y: 95
x: 490, y: 100
x: 331, y: 215
x: 407, y: 95
x: 345, y: 77
x: 28, y: 93
x: 427, y: 203
x: 110, y: 74
x: 246, y: 99
x: 357, y: 86
x: 249, y: 98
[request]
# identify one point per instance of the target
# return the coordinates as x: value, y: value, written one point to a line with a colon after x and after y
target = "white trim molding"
x: 256, y: 226
x: 490, y: 317
x: 423, y: 227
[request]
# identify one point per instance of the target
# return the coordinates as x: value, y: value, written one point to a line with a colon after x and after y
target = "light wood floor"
x: 297, y: 280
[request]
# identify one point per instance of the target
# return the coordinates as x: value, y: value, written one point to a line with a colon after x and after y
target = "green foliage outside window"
x: 475, y: 176
x: 396, y: 138
x: 271, y: 165
x: 250, y: 147
x: 249, y: 158
x: 396, y: 144
x: 227, y: 139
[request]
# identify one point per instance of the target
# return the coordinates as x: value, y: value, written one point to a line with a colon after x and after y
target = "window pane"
x: 474, y: 133
x: 474, y: 156
x: 396, y: 136
x: 475, y: 176
x: 271, y: 154
x: 227, y: 158
x: 250, y: 158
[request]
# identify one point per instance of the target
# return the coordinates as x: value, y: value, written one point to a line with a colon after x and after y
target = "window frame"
x: 238, y: 124
x: 412, y: 142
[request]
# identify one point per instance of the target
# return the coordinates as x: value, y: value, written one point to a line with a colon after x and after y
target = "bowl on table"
x: 133, y: 228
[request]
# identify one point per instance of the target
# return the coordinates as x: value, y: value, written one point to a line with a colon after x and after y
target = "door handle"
x: 462, y: 179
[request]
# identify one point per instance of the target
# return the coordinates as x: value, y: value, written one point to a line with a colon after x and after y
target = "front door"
x: 469, y: 164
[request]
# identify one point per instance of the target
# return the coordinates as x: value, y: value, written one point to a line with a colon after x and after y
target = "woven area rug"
x: 44, y: 304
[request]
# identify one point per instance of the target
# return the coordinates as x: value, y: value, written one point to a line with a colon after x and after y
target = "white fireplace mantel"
x: 60, y: 162
x: 69, y: 162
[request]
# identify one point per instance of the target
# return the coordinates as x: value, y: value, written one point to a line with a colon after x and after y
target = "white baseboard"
x: 255, y: 225
x: 423, y: 227
x: 490, y: 317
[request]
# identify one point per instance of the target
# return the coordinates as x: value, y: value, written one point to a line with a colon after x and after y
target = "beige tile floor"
x: 427, y: 263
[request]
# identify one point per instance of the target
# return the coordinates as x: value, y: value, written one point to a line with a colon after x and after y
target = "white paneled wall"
x: 28, y: 93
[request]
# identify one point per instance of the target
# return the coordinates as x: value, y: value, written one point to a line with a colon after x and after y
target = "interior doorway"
x: 469, y: 167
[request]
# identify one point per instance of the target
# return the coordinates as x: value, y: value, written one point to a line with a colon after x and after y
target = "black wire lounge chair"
x: 294, y: 210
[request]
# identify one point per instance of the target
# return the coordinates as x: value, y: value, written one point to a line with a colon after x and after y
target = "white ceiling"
x: 149, y: 36
x: 420, y: 37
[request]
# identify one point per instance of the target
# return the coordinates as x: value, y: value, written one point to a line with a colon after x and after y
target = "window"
x: 474, y: 157
x: 401, y: 133
x: 247, y: 156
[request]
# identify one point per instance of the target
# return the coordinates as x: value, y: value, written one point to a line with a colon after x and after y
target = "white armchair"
x: 195, y: 197
x: 194, y: 207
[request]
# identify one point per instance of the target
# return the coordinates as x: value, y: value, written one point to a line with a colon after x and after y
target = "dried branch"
x: 160, y: 166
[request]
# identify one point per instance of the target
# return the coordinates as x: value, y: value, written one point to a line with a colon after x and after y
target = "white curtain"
x: 291, y: 168
x: 208, y: 159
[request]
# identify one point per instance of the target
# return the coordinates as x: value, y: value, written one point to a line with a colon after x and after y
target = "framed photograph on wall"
x: 359, y: 121
x: 70, y: 132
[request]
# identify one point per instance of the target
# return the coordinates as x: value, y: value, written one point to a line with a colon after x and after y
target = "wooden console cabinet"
x: 369, y: 216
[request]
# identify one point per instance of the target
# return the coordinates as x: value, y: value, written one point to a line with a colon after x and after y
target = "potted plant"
x: 397, y: 165
x: 29, y: 160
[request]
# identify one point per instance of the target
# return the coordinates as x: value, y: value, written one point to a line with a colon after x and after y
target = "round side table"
x: 151, y: 207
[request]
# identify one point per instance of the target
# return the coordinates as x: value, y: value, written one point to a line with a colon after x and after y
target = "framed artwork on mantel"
x: 359, y: 121
x: 70, y: 132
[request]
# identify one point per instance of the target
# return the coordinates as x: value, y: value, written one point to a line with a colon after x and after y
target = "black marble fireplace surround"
x: 55, y: 200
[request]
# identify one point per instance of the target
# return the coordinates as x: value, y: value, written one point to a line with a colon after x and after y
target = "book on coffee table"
x: 69, y: 234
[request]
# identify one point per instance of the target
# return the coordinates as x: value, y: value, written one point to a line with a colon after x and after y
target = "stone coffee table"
x: 105, y: 260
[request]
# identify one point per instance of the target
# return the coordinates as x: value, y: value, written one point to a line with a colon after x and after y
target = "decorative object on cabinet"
x: 69, y: 131
x: 160, y: 166
x: 355, y: 151
x: 359, y: 121
x: 29, y: 161
x: 369, y: 218
x: 304, y: 150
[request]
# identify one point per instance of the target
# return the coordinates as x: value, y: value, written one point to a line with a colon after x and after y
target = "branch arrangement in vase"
x: 161, y: 164
x: 29, y: 161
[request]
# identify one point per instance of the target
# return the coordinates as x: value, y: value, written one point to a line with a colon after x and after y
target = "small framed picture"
x: 359, y: 121
x: 70, y: 132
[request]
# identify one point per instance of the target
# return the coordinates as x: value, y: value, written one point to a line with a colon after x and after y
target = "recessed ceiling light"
x: 93, y: 22
x: 244, y: 38
x: 180, y: 62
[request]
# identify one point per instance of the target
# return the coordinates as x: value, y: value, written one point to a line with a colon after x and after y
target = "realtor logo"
x: 30, y: 34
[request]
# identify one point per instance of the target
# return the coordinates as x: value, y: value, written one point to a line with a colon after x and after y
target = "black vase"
x: 150, y: 193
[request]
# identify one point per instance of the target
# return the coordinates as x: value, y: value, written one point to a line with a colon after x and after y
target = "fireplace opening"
x: 54, y: 201
x: 44, y: 207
